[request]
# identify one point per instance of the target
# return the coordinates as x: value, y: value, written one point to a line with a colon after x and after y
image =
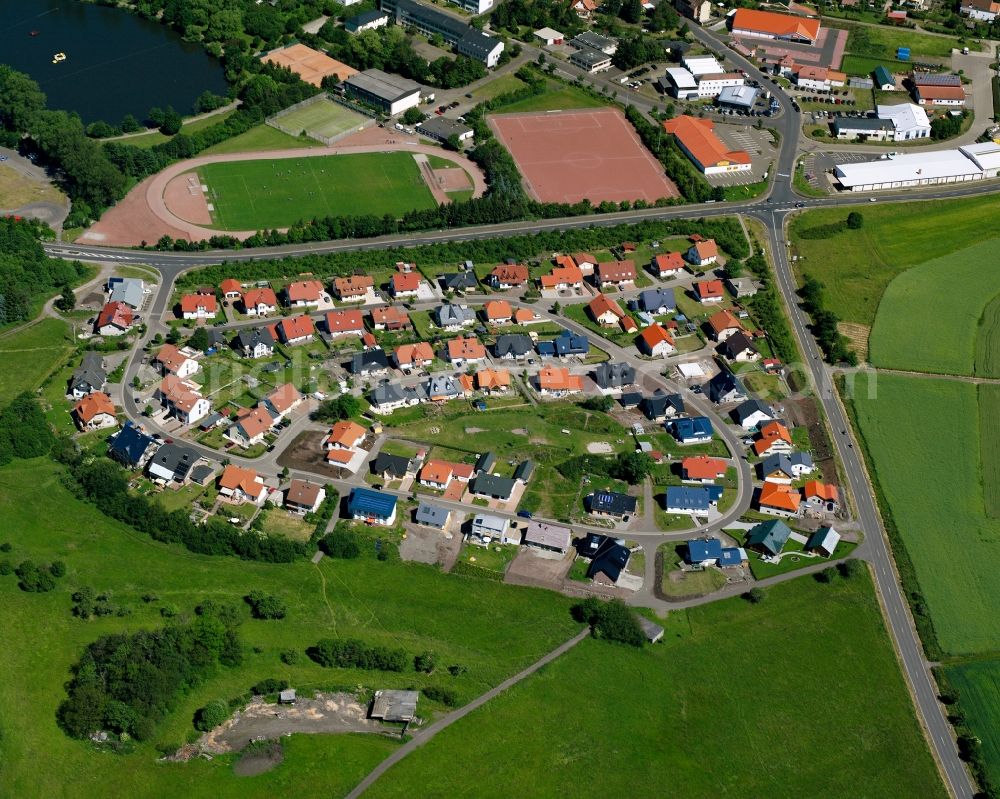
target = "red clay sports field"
x: 593, y: 154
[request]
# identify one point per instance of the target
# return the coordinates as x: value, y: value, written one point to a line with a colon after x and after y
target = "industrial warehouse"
x: 972, y: 162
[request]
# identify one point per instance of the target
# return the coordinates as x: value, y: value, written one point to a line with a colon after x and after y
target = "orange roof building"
x: 507, y: 276
x: 668, y: 264
x: 354, y: 287
x: 525, y: 316
x: 724, y: 324
x: 498, y: 312
x: 344, y: 323
x: 656, y: 341
x: 304, y: 292
x: 419, y: 354
x: 344, y: 434
x: 198, y: 306
x: 94, y: 410
x: 779, y: 499
x: 240, y: 484
x: 558, y: 380
x: 295, y: 329
x: 770, y: 25
x: 405, y: 284
x: 820, y: 492
x: 465, y: 349
x: 563, y: 276
x: 696, y: 137
x: 772, y: 437
x: 605, y: 311
x: 283, y: 398
x: 493, y: 380
x: 436, y: 474
x: 703, y: 468
x: 231, y: 288
x: 389, y: 317
x: 175, y: 362
x: 257, y: 301
x: 710, y: 291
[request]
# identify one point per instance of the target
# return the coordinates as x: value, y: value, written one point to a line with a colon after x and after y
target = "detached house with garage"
x: 739, y: 348
x: 513, y: 347
x: 454, y: 317
x: 304, y: 497
x: 508, y: 276
x: 703, y: 469
x: 239, y: 485
x: 709, y: 292
x: 371, y: 507
x: 89, y: 376
x: 282, y: 401
x: 608, y: 313
x: 691, y: 429
x: 354, y: 288
x: 405, y: 284
x: 389, y: 317
x: 259, y: 302
x: 657, y: 301
x: 726, y: 387
x: 463, y: 351
x: 349, y: 322
x: 778, y: 499
x: 668, y: 264
x: 724, y: 324
x: 250, y: 427
x: 566, y: 345
x: 615, y: 274
x: 414, y: 356
x: 703, y: 253
x: 771, y: 438
x: 498, y: 312
x: 656, y: 342
x: 256, y: 342
x: 295, y: 330
x: 114, y: 319
x: 556, y: 381
x: 94, y: 412
x: 564, y: 276
x: 303, y: 293
x: 199, y: 306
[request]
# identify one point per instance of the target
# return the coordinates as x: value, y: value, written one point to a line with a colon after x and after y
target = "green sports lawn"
x: 954, y: 292
x: 924, y: 442
x: 250, y: 195
x: 323, y: 117
x: 798, y: 696
x: 492, y: 629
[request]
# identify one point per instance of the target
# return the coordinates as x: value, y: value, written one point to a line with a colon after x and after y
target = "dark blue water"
x: 116, y: 62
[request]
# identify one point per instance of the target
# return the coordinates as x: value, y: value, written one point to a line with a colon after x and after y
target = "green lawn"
x: 492, y: 629
x: 322, y: 118
x: 956, y: 289
x: 881, y: 41
x: 857, y: 265
x: 30, y: 355
x: 558, y: 98
x: 154, y: 137
x: 262, y: 137
x: 866, y: 65
x: 978, y: 686
x: 501, y: 85
x: 680, y: 584
x: 923, y: 439
x: 739, y: 700
x: 255, y: 194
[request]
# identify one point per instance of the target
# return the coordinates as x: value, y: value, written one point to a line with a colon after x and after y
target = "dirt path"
x: 144, y: 215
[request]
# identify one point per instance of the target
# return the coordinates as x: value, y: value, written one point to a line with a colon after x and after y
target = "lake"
x: 116, y: 63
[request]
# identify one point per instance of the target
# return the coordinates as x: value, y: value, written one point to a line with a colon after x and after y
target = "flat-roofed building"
x: 389, y: 93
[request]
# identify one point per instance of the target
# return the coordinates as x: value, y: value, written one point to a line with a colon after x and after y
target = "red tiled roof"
x: 94, y: 404
x: 353, y: 286
x: 294, y: 327
x: 284, y: 397
x: 236, y: 477
x: 779, y: 495
x: 412, y: 353
x: 699, y: 139
x: 405, y: 281
x: 724, y: 320
x: 466, y: 348
x: 656, y: 334
x: 601, y: 304
x: 616, y: 271
x: 668, y: 261
x: 190, y: 303
x: 390, y: 315
x: 304, y: 291
x: 231, y: 286
x: 347, y: 321
x: 702, y: 467
x: 709, y: 288
x: 345, y: 433
x: 117, y: 314
x: 254, y: 297
x: 776, y: 24
x: 498, y: 309
x: 512, y: 274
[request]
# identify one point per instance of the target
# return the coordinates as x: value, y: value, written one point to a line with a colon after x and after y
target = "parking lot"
x: 756, y: 142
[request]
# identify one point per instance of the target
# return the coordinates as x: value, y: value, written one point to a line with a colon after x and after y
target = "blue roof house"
x: 566, y: 344
x: 689, y: 499
x: 691, y: 429
x: 704, y: 551
x: 131, y: 447
x: 371, y: 507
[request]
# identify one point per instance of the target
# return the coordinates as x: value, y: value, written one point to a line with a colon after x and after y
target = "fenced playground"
x: 320, y: 118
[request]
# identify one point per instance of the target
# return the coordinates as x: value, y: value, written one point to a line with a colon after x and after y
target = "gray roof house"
x: 552, y: 537
x: 254, y: 342
x: 386, y: 397
x: 172, y: 462
x: 370, y: 362
x: 390, y: 466
x: 726, y: 387
x: 442, y: 387
x: 524, y: 471
x: 459, y: 281
x: 614, y: 375
x: 738, y: 347
x: 452, y: 317
x: 493, y: 486
x: 657, y: 301
x: 89, y: 376
x: 128, y: 290
x: 751, y: 413
x: 432, y: 515
x: 510, y: 346
x: 486, y: 462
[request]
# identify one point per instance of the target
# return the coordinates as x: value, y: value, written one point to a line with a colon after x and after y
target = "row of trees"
x: 835, y: 345
x: 350, y: 653
x: 126, y: 683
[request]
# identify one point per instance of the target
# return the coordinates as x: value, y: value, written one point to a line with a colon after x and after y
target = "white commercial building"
x: 550, y: 36
x: 702, y: 65
x: 712, y: 85
x: 683, y: 86
x: 909, y: 120
x: 972, y: 162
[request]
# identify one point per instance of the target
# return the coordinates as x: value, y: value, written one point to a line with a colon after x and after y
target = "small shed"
x: 824, y: 541
x: 394, y: 705
x: 884, y: 79
x: 653, y: 631
x: 287, y: 697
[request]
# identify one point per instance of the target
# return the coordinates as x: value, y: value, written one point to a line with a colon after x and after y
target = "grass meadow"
x: 558, y: 98
x: 954, y: 291
x: 739, y: 700
x: 29, y: 356
x: 978, y: 686
x: 248, y: 195
x: 260, y: 138
x: 922, y: 436
x: 989, y: 446
x: 492, y: 629
x: 857, y: 265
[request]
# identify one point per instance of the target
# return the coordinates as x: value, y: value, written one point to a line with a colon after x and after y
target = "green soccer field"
x: 322, y: 118
x: 249, y: 195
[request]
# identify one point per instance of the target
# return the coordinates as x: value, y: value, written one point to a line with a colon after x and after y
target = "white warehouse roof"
x: 744, y: 96
x: 915, y: 168
x: 703, y: 65
x: 681, y: 78
x: 905, y: 116
x: 986, y: 154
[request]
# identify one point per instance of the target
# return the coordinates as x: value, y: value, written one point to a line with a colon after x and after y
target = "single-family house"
x: 739, y: 348
x: 172, y: 463
x: 405, y: 284
x: 492, y: 381
x: 513, y: 346
x: 486, y: 528
x: 688, y: 500
x: 556, y: 381
x: 820, y: 498
x: 295, y: 329
x: 706, y: 552
x: 566, y: 275
x: 584, y: 8
x: 778, y: 499
x: 131, y: 446
x: 771, y: 438
x: 231, y: 289
x: 254, y: 342
x: 980, y: 10
x: 414, y: 356
x: 610, y: 503
x: 660, y: 405
x: 388, y: 397
x: 466, y: 350
x: 303, y: 293
x: 608, y: 313
x: 436, y: 474
x: 370, y: 362
x: 349, y: 322
x: 657, y: 301
x: 616, y: 274
x: 824, y: 541
x: 724, y: 324
x: 752, y: 413
x: 492, y: 486
x: 454, y: 317
x: 199, y: 306
x: 459, y: 281
x: 114, y: 319
x: 250, y: 427
x: 667, y: 264
x: 89, y: 376
x: 691, y: 429
x: 741, y: 286
x: 259, y: 302
x: 344, y: 434
x: 656, y: 342
x: 94, y: 412
x: 240, y: 485
x: 173, y: 361
x: 391, y: 467
x: 390, y: 317
x: 709, y: 292
x: 703, y: 253
x: 703, y: 469
x: 498, y: 312
x: 354, y: 288
x: 725, y: 387
x: 508, y: 276
x: 282, y: 400
x: 550, y: 537
x: 441, y: 388
x: 769, y: 537
x: 614, y: 375
x: 433, y: 516
x: 566, y: 345
x: 183, y: 399
x: 609, y: 561
x: 304, y: 496
x: 371, y: 507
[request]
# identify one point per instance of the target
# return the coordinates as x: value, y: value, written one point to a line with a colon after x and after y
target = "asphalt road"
x: 773, y: 209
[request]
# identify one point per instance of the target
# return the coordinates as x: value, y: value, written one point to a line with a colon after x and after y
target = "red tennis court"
x: 593, y: 154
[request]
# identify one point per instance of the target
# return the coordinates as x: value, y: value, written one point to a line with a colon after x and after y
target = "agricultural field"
x: 989, y: 446
x: 856, y: 266
x: 248, y: 195
x: 682, y: 713
x: 978, y: 685
x: 30, y: 355
x: 938, y: 511
x: 492, y: 629
x: 953, y: 345
x: 322, y: 118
